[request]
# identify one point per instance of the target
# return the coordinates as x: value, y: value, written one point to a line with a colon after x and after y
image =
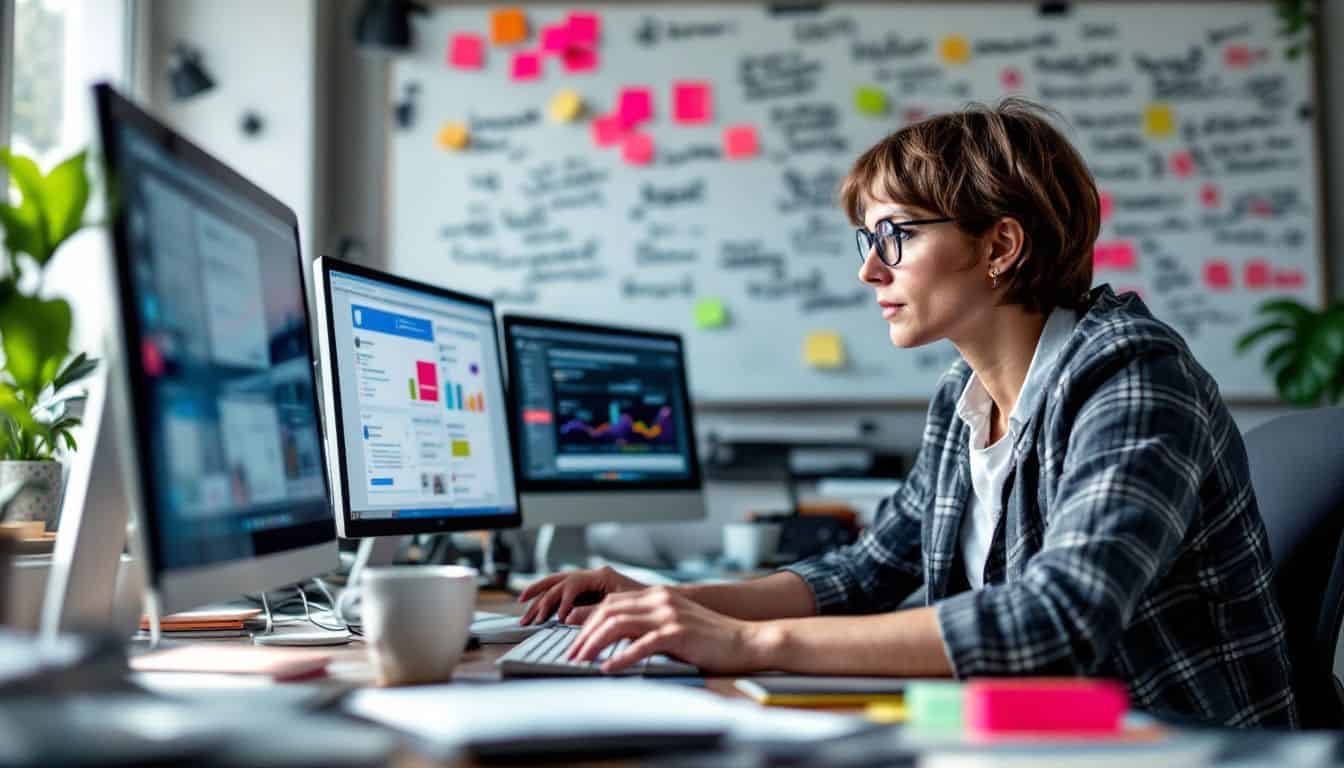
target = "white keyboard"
x: 543, y: 655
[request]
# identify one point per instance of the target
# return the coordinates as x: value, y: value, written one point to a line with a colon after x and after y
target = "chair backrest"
x: 1297, y: 470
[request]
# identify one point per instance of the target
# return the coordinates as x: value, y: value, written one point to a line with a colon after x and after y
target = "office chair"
x: 1297, y: 469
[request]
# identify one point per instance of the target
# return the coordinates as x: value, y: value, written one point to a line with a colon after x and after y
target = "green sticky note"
x: 935, y: 705
x: 410, y: 384
x: 870, y: 101
x: 710, y: 313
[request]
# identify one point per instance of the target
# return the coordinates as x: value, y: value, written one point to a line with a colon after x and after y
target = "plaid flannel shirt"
x: 1130, y: 544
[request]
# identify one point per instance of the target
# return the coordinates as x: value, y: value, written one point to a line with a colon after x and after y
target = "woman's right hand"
x: 557, y: 593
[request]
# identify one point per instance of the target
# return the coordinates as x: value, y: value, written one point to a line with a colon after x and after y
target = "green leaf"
x: 35, y: 335
x: 1288, y: 309
x: 78, y: 367
x: 1256, y: 334
x: 25, y: 231
x: 1279, y: 356
x: 65, y: 193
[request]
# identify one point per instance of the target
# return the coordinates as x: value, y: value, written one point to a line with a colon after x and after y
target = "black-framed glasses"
x: 889, y: 232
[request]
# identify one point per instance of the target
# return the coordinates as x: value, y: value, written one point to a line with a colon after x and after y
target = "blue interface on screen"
x: 422, y: 403
x: 228, y: 413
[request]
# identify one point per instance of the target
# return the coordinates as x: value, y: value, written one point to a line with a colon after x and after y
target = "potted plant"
x: 39, y: 407
x: 1307, y: 359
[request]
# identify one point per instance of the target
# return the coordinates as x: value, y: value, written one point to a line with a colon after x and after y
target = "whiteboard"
x: 1201, y: 132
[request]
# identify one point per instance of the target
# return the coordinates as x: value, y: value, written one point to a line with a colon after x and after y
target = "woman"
x: 1081, y: 504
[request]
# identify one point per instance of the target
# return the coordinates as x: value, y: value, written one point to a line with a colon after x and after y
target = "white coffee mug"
x: 749, y: 545
x: 415, y: 620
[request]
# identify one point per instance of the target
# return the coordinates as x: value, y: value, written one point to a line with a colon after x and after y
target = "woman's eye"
x: 904, y: 234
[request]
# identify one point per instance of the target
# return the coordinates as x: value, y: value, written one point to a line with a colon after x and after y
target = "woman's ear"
x: 1007, y: 245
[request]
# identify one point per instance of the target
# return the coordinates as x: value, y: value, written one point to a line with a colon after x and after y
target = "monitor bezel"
x: 693, y: 480
x: 360, y: 528
x: 305, y: 546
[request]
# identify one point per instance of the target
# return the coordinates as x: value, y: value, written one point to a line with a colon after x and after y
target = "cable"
x: 307, y: 615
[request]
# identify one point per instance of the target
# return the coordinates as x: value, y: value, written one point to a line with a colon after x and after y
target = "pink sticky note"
x: 739, y: 141
x: 1257, y: 274
x: 634, y: 105
x: 579, y: 60
x: 1289, y: 278
x: 1210, y: 195
x: 466, y: 52
x: 692, y: 102
x: 526, y: 66
x: 1218, y: 275
x: 1041, y: 706
x: 1182, y: 164
x: 1237, y: 56
x: 1107, y: 207
x: 555, y: 39
x: 608, y: 130
x: 584, y: 29
x: 1114, y: 254
x: 1011, y: 78
x: 637, y: 149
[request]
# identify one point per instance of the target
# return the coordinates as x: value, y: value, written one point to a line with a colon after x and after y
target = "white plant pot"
x: 42, y: 499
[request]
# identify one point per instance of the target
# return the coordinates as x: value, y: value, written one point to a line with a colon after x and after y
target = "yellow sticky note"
x: 508, y: 26
x: 1159, y: 120
x: 954, y: 49
x: 824, y: 349
x: 566, y: 106
x: 453, y: 135
x: 710, y: 313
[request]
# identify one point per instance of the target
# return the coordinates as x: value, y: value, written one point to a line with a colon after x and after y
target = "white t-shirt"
x: 990, y: 464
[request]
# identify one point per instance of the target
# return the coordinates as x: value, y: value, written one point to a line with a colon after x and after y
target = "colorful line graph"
x: 623, y: 427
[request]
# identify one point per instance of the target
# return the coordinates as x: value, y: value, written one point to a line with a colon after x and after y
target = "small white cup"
x: 749, y: 545
x: 415, y: 620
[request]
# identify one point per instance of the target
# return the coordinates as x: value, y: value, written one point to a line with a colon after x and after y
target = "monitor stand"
x: 559, y: 547
x: 374, y: 552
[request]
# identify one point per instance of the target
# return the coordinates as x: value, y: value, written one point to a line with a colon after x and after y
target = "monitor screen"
x: 221, y: 366
x: 599, y: 407
x: 419, y: 395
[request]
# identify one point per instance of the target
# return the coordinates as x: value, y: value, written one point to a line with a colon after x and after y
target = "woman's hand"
x: 661, y: 620
x: 556, y: 594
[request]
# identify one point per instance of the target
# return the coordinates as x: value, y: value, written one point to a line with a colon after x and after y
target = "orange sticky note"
x: 739, y: 142
x: 954, y: 50
x: 508, y: 26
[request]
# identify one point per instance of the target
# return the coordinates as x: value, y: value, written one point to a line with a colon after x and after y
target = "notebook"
x: 815, y: 691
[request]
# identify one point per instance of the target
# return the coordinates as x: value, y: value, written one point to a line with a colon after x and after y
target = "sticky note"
x: 608, y: 131
x: 824, y: 349
x: 637, y: 149
x: 934, y: 705
x: 453, y: 135
x: 579, y: 60
x: 1010, y: 78
x: 1114, y: 254
x: 1210, y: 195
x: 1237, y: 56
x: 466, y: 52
x: 555, y: 39
x: 692, y: 102
x: 1159, y: 121
x: 1044, y: 706
x: 584, y: 29
x: 508, y: 26
x: 526, y: 66
x: 634, y: 105
x: 1182, y: 164
x: 1218, y: 275
x: 1107, y: 206
x: 870, y: 100
x: 1290, y: 278
x: 1257, y: 274
x: 954, y: 50
x: 739, y: 142
x: 710, y: 314
x: 566, y: 106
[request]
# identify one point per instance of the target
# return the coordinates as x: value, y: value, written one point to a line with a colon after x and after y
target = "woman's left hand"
x: 662, y: 620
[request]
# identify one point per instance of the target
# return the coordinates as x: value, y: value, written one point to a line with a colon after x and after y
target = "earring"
x: 994, y: 275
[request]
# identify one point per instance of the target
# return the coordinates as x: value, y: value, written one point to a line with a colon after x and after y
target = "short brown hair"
x: 982, y: 164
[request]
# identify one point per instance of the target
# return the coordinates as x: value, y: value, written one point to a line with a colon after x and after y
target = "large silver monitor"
x: 228, y: 483
x: 602, y: 423
x: 413, y: 396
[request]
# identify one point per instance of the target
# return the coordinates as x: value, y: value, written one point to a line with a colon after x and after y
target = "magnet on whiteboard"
x: 566, y: 106
x: 453, y: 136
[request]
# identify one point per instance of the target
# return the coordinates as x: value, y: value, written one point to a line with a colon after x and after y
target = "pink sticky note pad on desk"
x: 634, y: 105
x: 584, y: 29
x: 608, y: 130
x: 740, y: 142
x: 579, y: 60
x: 692, y: 102
x: 526, y: 66
x: 555, y: 39
x: 637, y: 149
x: 466, y: 52
x: 1061, y: 705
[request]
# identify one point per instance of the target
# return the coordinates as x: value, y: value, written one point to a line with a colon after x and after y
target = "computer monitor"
x: 413, y: 397
x: 602, y: 423
x: 227, y: 480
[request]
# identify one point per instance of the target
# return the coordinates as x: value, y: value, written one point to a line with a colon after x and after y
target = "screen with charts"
x: 421, y: 397
x: 599, y: 406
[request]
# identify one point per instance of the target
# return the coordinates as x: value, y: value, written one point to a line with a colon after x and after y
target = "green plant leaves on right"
x: 35, y: 335
x: 1306, y: 360
x: 50, y: 209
